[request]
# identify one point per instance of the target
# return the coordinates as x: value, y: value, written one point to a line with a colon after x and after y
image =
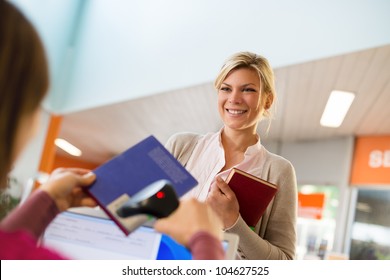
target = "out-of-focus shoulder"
x: 182, y: 144
x: 183, y: 137
x: 278, y: 160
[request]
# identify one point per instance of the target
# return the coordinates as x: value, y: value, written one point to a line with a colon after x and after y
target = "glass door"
x: 370, y: 231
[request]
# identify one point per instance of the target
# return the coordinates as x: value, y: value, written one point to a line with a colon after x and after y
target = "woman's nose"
x: 235, y: 97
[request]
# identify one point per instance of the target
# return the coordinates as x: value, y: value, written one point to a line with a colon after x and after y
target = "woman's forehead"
x: 242, y: 76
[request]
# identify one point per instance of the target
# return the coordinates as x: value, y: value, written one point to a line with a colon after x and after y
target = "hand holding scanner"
x: 158, y: 199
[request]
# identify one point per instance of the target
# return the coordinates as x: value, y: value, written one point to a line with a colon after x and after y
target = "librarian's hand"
x: 224, y: 202
x: 189, y: 218
x: 65, y: 187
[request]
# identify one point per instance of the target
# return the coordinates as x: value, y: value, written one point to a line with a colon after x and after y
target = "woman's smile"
x: 236, y: 112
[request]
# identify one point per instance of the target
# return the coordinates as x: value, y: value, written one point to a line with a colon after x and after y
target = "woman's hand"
x: 65, y: 187
x: 224, y: 202
x: 189, y: 218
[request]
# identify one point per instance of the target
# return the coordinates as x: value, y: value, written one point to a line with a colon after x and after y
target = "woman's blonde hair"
x: 261, y: 66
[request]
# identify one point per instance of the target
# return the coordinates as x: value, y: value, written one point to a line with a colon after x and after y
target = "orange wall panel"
x: 64, y: 161
x: 371, y: 162
x: 49, y: 148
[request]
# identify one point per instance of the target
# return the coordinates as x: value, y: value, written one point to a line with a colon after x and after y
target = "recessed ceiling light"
x: 67, y: 147
x: 336, y: 108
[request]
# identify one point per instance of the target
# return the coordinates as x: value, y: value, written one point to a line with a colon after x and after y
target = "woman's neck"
x: 235, y: 143
x: 238, y: 140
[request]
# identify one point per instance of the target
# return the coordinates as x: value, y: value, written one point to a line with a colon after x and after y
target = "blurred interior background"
x: 122, y: 70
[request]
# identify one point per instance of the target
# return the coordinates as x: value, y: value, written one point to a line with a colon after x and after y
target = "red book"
x: 253, y: 194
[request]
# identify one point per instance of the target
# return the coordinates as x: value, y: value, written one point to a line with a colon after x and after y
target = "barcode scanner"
x: 158, y: 199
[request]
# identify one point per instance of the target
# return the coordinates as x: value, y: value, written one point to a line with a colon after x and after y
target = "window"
x: 370, y: 236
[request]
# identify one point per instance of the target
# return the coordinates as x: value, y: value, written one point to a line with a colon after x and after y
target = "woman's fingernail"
x: 89, y: 175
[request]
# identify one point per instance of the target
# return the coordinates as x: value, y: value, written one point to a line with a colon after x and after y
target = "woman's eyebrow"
x: 249, y: 84
x: 244, y: 85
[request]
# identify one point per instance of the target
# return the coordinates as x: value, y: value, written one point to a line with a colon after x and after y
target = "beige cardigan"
x: 274, y: 237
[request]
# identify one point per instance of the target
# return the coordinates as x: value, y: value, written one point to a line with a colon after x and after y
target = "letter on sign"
x: 379, y: 159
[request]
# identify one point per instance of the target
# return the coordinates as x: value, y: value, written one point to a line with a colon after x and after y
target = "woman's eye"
x: 226, y: 89
x: 249, y: 90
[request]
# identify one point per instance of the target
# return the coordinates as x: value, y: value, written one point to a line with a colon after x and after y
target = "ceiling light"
x: 336, y: 108
x: 67, y: 147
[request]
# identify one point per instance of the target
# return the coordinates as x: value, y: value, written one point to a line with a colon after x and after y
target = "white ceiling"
x: 122, y: 70
x: 303, y: 90
x: 103, y: 52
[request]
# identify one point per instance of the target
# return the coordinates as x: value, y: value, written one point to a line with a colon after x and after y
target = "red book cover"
x: 253, y: 194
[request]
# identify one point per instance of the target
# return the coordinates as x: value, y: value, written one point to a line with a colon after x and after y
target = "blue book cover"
x: 126, y: 174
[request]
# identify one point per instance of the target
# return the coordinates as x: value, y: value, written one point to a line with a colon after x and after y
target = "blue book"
x: 128, y: 173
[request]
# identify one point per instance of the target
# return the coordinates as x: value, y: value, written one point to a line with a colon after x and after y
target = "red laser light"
x: 160, y: 195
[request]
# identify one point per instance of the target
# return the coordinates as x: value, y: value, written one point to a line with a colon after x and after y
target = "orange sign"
x: 311, y: 205
x: 371, y: 162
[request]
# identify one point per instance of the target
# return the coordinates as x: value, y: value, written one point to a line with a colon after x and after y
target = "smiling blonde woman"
x: 246, y: 92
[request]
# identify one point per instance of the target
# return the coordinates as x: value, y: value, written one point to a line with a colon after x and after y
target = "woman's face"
x: 239, y: 100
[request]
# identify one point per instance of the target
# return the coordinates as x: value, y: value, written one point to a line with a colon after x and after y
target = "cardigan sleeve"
x: 33, y: 215
x: 20, y: 245
x: 274, y: 237
x: 181, y: 145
